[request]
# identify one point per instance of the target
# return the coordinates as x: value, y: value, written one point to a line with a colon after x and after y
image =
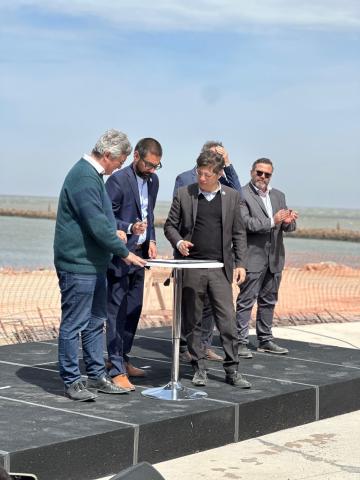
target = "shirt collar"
x: 99, y: 168
x: 218, y: 189
x: 260, y: 192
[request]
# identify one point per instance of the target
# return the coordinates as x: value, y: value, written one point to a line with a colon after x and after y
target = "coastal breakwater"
x: 339, y: 234
x: 13, y: 212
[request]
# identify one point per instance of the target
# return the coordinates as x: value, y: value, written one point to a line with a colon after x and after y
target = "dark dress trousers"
x: 216, y: 283
x: 264, y: 264
x: 126, y: 283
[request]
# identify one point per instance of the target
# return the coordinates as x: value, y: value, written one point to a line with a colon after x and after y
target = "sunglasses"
x: 259, y: 173
x: 149, y: 165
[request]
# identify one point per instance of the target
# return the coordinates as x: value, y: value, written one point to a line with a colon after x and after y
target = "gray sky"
x: 274, y: 78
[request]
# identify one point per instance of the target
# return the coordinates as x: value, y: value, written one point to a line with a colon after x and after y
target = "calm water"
x: 27, y: 243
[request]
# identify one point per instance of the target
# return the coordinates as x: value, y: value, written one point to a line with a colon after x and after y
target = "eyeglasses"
x: 149, y: 165
x: 259, y: 173
x: 199, y: 173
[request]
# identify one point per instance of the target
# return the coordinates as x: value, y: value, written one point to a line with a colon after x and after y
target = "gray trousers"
x: 211, y: 282
x: 261, y: 287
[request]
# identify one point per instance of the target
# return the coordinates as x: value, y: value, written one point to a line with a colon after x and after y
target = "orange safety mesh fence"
x: 314, y: 293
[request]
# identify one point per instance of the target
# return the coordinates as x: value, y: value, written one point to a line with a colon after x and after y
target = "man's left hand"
x: 239, y: 275
x: 292, y: 216
x: 152, y: 250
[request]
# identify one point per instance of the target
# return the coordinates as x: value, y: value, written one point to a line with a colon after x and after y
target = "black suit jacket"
x: 182, y: 217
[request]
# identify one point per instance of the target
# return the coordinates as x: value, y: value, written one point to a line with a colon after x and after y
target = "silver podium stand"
x: 174, y: 390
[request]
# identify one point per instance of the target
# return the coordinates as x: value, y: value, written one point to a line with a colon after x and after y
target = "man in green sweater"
x: 85, y: 240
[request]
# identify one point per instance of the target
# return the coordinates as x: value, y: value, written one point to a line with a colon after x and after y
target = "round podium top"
x: 183, y: 263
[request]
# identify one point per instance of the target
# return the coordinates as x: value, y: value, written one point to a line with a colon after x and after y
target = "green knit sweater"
x: 85, y: 232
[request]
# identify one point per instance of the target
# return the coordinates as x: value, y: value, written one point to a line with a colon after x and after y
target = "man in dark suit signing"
x: 229, y: 178
x: 204, y: 223
x: 266, y: 217
x: 133, y: 191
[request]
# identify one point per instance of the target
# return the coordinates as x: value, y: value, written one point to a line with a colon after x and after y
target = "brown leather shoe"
x: 123, y: 382
x: 213, y: 356
x: 134, y: 371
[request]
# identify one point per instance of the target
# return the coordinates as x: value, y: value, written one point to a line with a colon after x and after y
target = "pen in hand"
x: 139, y: 226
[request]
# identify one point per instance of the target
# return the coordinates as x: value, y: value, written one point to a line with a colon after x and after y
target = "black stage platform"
x: 44, y: 433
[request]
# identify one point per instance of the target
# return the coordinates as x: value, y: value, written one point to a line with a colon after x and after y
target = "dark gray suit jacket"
x: 265, y: 244
x: 181, y: 222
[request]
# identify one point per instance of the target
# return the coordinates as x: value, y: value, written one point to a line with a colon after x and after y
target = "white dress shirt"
x: 265, y: 197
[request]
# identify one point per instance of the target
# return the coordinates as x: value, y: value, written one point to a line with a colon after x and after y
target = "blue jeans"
x: 83, y: 313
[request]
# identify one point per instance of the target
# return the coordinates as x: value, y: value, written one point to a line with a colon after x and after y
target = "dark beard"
x: 143, y: 175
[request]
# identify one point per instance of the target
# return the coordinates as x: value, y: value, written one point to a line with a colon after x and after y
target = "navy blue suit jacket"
x: 123, y: 191
x: 189, y: 177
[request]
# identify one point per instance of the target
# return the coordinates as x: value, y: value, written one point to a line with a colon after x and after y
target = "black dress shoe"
x: 237, y: 381
x: 243, y: 351
x: 78, y: 392
x: 185, y: 356
x: 200, y: 378
x: 104, y: 385
x: 271, y: 347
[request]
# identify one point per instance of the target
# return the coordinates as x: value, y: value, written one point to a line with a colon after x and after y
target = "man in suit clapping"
x: 266, y: 217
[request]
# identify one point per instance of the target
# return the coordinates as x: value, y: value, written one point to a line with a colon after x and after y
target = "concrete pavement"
x: 325, y: 450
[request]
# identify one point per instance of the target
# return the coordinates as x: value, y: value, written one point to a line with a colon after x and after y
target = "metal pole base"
x: 174, y: 391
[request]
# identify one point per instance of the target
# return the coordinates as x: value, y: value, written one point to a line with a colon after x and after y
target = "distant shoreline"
x: 310, y: 233
x: 13, y: 212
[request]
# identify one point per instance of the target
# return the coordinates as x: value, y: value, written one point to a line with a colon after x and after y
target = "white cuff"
x: 178, y: 244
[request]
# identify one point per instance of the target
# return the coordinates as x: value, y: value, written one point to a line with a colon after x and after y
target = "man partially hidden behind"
x: 204, y: 223
x: 85, y: 239
x: 266, y: 217
x: 133, y: 193
x: 230, y: 179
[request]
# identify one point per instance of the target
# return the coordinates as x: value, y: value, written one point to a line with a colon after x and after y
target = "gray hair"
x: 210, y: 144
x: 114, y: 142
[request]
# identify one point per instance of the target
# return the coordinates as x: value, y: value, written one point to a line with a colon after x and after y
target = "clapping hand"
x: 292, y: 216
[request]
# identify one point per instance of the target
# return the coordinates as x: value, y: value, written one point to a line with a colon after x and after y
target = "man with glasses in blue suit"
x: 133, y: 191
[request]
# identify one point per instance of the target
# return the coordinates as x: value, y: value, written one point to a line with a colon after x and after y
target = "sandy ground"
x: 315, y: 293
